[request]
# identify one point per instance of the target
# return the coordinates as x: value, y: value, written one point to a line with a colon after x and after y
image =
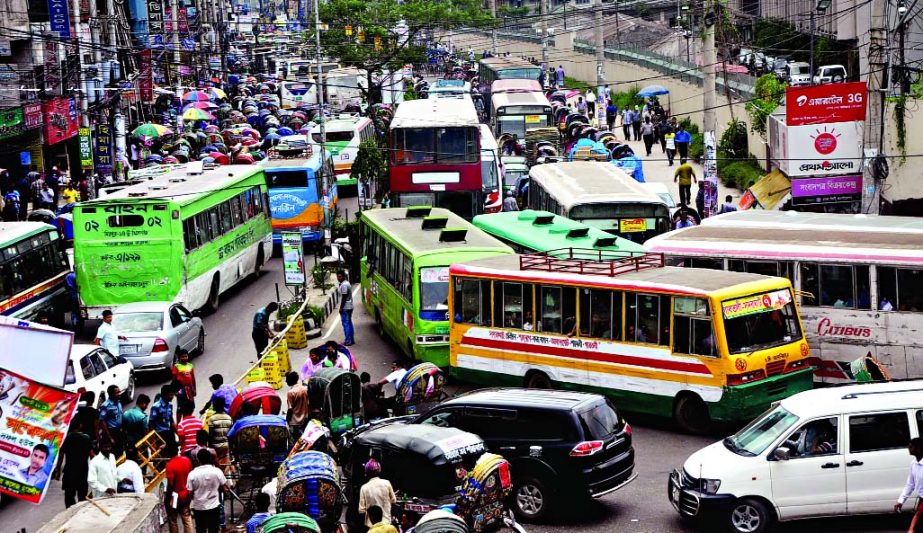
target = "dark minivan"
x: 552, y: 439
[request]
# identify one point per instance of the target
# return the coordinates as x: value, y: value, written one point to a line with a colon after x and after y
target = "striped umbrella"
x: 152, y: 131
x: 196, y: 96
x: 197, y: 114
x: 208, y: 106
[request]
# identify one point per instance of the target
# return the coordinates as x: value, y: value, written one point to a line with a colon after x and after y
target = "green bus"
x: 33, y: 268
x: 185, y: 236
x: 531, y: 231
x: 406, y: 253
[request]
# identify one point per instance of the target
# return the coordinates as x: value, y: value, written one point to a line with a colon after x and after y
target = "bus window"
x: 900, y: 289
x: 841, y: 286
x: 514, y: 305
x: 705, y: 262
x: 647, y: 319
x: 413, y: 145
x: 457, y: 145
x: 601, y: 314
x: 472, y: 301
x: 692, y: 331
x: 557, y: 310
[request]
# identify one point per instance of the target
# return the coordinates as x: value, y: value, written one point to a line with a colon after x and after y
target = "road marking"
x: 336, y: 322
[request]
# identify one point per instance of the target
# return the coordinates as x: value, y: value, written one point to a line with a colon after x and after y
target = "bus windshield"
x: 279, y: 179
x: 617, y: 209
x: 517, y: 124
x: 443, y: 145
x: 298, y: 89
x: 526, y: 73
x: 760, y: 321
x: 336, y: 136
x: 434, y: 288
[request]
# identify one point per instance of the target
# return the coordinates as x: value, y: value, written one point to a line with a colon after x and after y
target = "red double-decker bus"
x: 436, y: 158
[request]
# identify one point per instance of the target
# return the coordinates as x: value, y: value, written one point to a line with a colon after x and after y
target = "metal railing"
x: 588, y: 261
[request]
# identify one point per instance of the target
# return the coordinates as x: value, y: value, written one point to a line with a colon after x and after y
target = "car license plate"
x: 129, y: 348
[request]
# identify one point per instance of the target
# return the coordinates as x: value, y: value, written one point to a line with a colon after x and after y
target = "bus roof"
x: 544, y: 231
x: 310, y: 162
x: 11, y: 232
x: 520, y: 98
x: 436, y: 112
x: 345, y: 123
x: 408, y: 231
x: 500, y: 63
x: 182, y: 185
x: 582, y: 182
x: 789, y: 235
x: 694, y: 281
x: 515, y: 85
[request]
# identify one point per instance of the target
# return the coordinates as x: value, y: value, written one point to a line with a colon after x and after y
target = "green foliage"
x: 627, y: 98
x: 287, y: 309
x: 733, y: 142
x: 740, y: 174
x: 505, y: 11
x: 320, y: 276
x: 769, y: 92
x: 370, y: 167
x: 697, y: 145
x: 379, y: 18
x: 317, y: 312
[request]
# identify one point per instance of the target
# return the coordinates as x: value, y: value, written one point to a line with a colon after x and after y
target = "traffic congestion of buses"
x: 509, y: 248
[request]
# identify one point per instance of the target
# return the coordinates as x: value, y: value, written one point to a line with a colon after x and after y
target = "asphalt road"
x: 642, y: 506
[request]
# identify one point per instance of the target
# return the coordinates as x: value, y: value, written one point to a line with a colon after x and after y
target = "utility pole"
x: 174, y: 15
x: 543, y: 24
x: 81, y: 73
x: 493, y: 31
x: 710, y: 115
x: 879, y: 62
x: 600, y: 65
x: 813, y: 31
x: 318, y: 87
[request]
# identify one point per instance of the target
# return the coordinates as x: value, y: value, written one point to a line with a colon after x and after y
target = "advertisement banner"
x: 758, y: 303
x: 32, y: 115
x: 33, y: 422
x: 710, y: 162
x: 829, y: 149
x: 293, y: 258
x: 86, y: 148
x: 104, y: 149
x: 59, y: 18
x: 827, y: 190
x: 146, y: 77
x: 52, y: 64
x: 829, y: 102
x: 155, y: 20
x: 60, y: 119
x: 12, y: 123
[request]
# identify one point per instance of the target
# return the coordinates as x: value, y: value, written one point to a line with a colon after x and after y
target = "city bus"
x: 450, y: 89
x: 344, y: 134
x: 858, y: 279
x: 531, y: 231
x: 436, y: 156
x: 492, y: 69
x: 297, y: 94
x: 184, y: 237
x: 666, y: 341
x: 516, y: 112
x: 33, y: 266
x: 491, y: 170
x: 298, y: 200
x: 406, y: 253
x: 345, y: 87
x: 599, y: 195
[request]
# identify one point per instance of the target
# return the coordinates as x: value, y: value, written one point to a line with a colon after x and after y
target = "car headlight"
x: 709, y: 486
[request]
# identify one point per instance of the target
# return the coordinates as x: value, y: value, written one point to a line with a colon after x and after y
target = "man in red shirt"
x: 177, y: 496
x: 188, y: 426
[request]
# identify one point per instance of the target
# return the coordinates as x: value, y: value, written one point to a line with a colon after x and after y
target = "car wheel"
x: 531, y: 499
x: 129, y: 393
x: 691, y: 414
x: 749, y: 516
x: 200, y: 345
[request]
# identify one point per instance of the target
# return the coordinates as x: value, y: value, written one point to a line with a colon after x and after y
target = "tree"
x: 370, y: 167
x: 386, y: 34
x: 769, y: 92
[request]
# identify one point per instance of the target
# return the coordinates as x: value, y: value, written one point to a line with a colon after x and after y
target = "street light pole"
x: 812, y: 46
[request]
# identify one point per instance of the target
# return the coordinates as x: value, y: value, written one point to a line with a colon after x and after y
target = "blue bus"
x: 297, y: 199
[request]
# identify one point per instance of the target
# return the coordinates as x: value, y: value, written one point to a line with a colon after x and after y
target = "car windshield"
x: 137, y: 322
x: 761, y: 433
x: 760, y: 321
x: 600, y: 421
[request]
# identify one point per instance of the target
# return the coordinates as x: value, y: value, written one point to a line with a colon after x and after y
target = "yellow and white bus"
x: 858, y: 279
x: 660, y: 340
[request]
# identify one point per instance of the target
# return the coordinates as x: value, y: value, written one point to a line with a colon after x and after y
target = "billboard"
x: 822, y: 104
x: 827, y: 190
x: 820, y: 150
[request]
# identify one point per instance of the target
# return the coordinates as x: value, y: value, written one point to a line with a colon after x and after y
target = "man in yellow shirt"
x: 374, y: 513
x: 70, y: 194
x: 685, y: 174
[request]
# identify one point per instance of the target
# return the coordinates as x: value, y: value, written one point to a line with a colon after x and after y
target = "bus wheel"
x: 379, y: 324
x: 691, y: 414
x: 538, y: 380
x: 258, y: 269
x: 214, y: 295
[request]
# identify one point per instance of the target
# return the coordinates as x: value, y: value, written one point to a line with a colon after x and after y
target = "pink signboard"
x: 826, y: 190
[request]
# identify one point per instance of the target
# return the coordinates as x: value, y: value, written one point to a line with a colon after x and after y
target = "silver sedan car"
x: 156, y: 331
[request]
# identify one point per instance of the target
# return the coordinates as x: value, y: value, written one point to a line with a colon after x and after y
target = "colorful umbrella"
x: 152, y: 131
x: 196, y: 96
x: 208, y: 106
x: 216, y: 93
x: 197, y: 114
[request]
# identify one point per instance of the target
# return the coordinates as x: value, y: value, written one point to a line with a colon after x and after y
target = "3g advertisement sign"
x: 823, y: 104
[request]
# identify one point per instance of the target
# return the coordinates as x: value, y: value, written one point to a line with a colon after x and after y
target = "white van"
x: 798, y: 73
x: 834, y: 451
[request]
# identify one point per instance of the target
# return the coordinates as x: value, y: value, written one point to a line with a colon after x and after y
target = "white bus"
x: 345, y: 87
x: 859, y: 279
x: 600, y: 195
x: 344, y: 135
x: 297, y: 94
x: 450, y: 89
x: 518, y: 106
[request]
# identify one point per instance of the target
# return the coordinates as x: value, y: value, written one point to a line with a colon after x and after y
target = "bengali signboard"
x: 33, y: 422
x: 827, y: 190
x: 757, y: 303
x: 12, y: 123
x: 60, y: 119
x: 59, y: 18
x: 104, y: 149
x: 32, y: 115
x: 86, y: 148
x: 52, y: 64
x: 293, y: 258
x: 824, y: 150
x: 155, y: 23
x: 825, y: 103
x: 632, y: 225
x: 146, y: 77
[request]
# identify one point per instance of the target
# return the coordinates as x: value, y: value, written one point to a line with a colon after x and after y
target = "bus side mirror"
x: 781, y: 454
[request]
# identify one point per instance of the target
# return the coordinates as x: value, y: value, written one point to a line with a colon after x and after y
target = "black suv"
x: 558, y: 443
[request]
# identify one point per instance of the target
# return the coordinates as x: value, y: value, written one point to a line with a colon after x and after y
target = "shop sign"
x: 32, y: 115
x: 6, y: 47
x: 826, y: 103
x: 104, y: 149
x: 11, y: 123
x: 60, y: 119
x: 155, y: 21
x: 632, y: 225
x: 86, y: 148
x: 826, y: 190
x: 146, y: 77
x: 59, y: 18
x: 52, y: 65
